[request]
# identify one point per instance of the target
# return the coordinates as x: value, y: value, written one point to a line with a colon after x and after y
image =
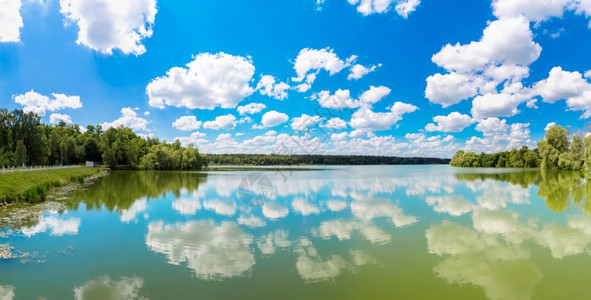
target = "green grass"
x: 33, y: 186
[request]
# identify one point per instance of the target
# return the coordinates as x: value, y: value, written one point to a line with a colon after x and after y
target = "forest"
x: 556, y: 151
x: 24, y: 140
x: 274, y: 159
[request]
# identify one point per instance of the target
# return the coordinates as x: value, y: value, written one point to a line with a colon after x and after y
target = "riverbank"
x: 33, y: 187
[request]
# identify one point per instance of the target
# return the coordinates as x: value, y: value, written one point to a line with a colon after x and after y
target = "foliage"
x: 522, y: 158
x: 555, y: 151
x: 24, y: 140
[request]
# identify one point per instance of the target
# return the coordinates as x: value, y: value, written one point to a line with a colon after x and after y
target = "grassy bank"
x: 33, y: 186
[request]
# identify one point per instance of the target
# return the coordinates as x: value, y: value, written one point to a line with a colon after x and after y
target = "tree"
x: 555, y: 143
x: 21, y: 153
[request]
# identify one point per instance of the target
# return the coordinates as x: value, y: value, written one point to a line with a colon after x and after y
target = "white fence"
x: 23, y: 169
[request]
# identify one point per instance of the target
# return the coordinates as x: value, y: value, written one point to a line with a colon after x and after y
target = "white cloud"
x: 40, y: 104
x: 402, y: 7
x: 405, y: 7
x: 496, y: 105
x: 507, y: 41
x: 124, y: 288
x: 187, y: 123
x: 209, y: 81
x: 358, y: 71
x: 549, y: 125
x: 129, y: 118
x: 10, y: 21
x: 304, y: 121
x: 374, y: 94
x: 212, y: 251
x: 561, y: 85
x: 570, y: 86
x: 251, y: 108
x: 342, y: 98
x: 56, y: 118
x: 451, y: 88
x: 310, y: 61
x: 226, y: 122
x: 268, y: 86
x: 365, y: 119
x: 105, y: 25
x: 499, y: 136
x: 273, y: 118
x: 454, y: 122
x: 335, y: 123
x: 195, y: 138
x: 534, y: 10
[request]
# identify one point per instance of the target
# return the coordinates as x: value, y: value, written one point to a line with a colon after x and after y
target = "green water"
x: 363, y: 232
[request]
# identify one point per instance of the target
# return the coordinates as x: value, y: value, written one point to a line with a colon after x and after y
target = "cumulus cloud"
x: 402, y: 7
x: 454, y: 122
x: 570, y: 86
x: 506, y: 41
x: 335, y: 123
x: 11, y: 21
x: 273, y: 118
x: 187, y: 123
x: 364, y: 119
x: 304, y: 121
x: 549, y: 125
x: 274, y: 211
x: 56, y: 118
x: 195, y: 138
x: 477, y: 69
x: 251, y: 108
x: 358, y: 71
x: 342, y: 98
x: 209, y: 81
x: 310, y: 62
x: 105, y: 25
x: 534, y: 10
x: 129, y: 118
x: 227, y: 122
x: 268, y: 86
x: 499, y: 136
x: 40, y: 104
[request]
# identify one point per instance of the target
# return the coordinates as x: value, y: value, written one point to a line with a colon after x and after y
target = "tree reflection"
x: 557, y: 188
x: 121, y: 189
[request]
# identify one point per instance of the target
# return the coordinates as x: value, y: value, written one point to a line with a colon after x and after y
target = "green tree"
x: 555, y: 143
x: 21, y: 153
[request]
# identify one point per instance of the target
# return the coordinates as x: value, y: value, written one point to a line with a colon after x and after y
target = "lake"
x: 342, y: 232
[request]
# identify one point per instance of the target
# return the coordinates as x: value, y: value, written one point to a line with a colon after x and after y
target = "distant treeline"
x: 555, y: 151
x: 275, y: 159
x: 24, y: 140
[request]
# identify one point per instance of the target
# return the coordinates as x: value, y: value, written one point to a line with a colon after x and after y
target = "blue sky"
x: 387, y: 77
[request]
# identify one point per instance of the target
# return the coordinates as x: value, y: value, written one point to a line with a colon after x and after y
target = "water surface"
x: 362, y: 232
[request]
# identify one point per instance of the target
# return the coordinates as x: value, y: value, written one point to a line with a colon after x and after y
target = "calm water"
x: 370, y: 232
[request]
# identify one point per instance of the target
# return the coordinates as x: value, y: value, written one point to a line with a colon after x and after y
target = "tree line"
x: 555, y: 151
x: 24, y: 140
x: 276, y: 159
